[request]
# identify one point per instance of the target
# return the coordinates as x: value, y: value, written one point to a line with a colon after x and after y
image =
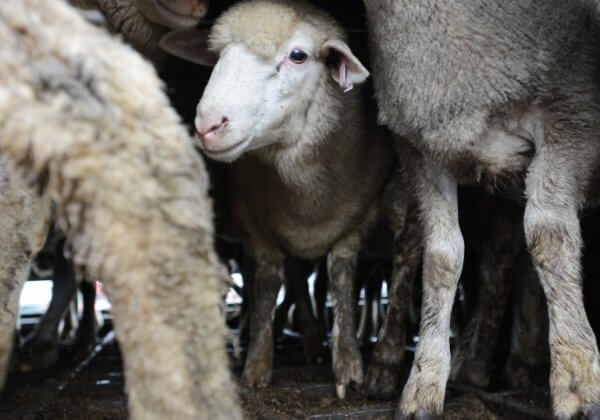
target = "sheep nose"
x: 205, y: 130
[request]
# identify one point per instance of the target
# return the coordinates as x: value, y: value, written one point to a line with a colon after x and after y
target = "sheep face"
x: 249, y: 99
x: 174, y: 14
x: 252, y: 101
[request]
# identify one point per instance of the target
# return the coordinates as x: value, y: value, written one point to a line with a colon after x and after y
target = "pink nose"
x: 206, y: 130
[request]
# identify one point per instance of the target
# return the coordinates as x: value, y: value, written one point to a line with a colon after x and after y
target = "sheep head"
x: 275, y: 61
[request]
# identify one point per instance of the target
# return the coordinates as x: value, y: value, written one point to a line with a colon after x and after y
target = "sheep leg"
x: 443, y: 258
x: 346, y: 357
x: 383, y: 375
x: 43, y: 346
x: 297, y: 274
x: 553, y: 236
x: 88, y: 327
x: 268, y: 278
x: 529, y: 329
x: 499, y: 243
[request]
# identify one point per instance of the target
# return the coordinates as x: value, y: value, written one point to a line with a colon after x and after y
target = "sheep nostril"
x: 204, y: 129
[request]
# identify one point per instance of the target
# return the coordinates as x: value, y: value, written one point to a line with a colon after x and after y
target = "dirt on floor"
x: 94, y: 390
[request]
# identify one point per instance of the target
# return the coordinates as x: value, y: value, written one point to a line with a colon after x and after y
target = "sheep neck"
x: 331, y: 133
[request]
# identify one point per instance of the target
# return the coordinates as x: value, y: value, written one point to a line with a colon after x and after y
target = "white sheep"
x: 85, y: 120
x: 308, y: 173
x: 496, y: 93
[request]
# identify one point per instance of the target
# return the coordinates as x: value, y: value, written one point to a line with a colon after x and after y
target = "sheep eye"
x: 298, y: 56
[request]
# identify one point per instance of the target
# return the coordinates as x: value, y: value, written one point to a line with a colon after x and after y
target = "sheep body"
x: 308, y: 172
x: 88, y: 115
x: 492, y: 93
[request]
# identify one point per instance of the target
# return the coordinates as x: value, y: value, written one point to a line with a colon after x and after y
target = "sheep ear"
x: 344, y: 67
x: 191, y: 45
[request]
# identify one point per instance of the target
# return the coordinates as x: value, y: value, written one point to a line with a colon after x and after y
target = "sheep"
x: 142, y: 23
x: 308, y: 173
x: 84, y: 119
x: 501, y: 94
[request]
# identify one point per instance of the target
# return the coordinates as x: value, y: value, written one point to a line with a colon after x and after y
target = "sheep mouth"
x: 179, y: 20
x: 228, y: 153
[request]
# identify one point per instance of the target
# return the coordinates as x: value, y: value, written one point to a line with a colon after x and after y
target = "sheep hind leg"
x: 346, y: 357
x: 553, y: 236
x: 383, y: 375
x: 423, y: 394
x: 575, y: 373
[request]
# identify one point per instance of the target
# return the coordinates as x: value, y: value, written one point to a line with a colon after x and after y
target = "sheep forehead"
x: 265, y: 25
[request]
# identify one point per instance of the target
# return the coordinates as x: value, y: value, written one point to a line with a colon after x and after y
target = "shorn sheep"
x: 496, y: 93
x: 85, y: 120
x: 309, y: 175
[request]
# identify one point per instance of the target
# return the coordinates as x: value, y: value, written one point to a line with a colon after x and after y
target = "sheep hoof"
x: 256, y: 377
x: 348, y: 370
x: 43, y: 352
x: 340, y: 390
x: 382, y: 381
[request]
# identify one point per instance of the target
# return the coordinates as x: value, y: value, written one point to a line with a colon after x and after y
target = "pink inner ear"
x: 344, y: 84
